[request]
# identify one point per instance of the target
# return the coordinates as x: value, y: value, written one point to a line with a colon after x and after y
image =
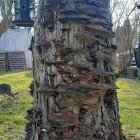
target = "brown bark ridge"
x: 74, y: 82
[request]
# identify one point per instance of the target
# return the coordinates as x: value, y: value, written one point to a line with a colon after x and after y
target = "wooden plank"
x: 22, y: 64
x: 15, y: 55
x: 18, y: 67
x: 20, y: 56
x: 16, y: 60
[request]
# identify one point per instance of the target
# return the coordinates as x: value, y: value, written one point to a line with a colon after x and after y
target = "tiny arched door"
x: 25, y: 11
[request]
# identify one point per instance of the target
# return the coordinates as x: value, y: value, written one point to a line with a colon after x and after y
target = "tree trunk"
x: 74, y: 83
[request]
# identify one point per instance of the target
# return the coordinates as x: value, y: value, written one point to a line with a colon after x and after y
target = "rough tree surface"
x: 74, y: 83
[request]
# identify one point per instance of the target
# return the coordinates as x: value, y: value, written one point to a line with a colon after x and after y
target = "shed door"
x: 25, y: 12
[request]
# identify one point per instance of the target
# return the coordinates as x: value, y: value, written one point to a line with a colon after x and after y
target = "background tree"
x: 126, y: 23
x: 126, y: 40
x: 5, y: 15
x: 124, y: 43
x: 74, y: 83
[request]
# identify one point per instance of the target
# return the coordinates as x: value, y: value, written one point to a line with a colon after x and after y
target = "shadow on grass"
x: 4, y: 73
x: 29, y: 74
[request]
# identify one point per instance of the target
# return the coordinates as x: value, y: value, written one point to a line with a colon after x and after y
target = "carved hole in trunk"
x: 112, y: 137
x: 82, y: 112
x: 109, y: 98
x: 39, y: 49
x: 96, y: 80
x: 94, y: 60
x: 107, y: 80
x: 105, y: 65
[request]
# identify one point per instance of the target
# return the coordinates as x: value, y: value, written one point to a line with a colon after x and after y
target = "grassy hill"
x: 13, y: 111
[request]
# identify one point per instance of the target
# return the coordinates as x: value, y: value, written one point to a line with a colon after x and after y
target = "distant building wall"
x: 18, y: 39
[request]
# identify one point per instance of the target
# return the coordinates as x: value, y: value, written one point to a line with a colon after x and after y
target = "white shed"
x: 17, y: 40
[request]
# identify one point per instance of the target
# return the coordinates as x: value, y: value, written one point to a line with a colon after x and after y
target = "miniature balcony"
x: 69, y: 134
x: 86, y: 37
x: 49, y: 63
x: 74, y: 89
x: 83, y: 65
x: 58, y: 42
x: 46, y: 89
x: 106, y: 87
x: 71, y: 103
x: 79, y: 51
x: 45, y: 42
x: 29, y: 116
x: 29, y: 128
x: 83, y: 76
x: 103, y: 56
x: 94, y: 2
x: 64, y: 29
x: 64, y: 119
x: 80, y: 86
x: 90, y: 10
x: 114, y: 47
x: 47, y: 21
x: 39, y: 48
x: 50, y: 27
x: 56, y: 63
x: 106, y: 50
x: 70, y: 11
x: 52, y: 75
x: 91, y: 102
x: 99, y: 72
x: 98, y: 21
x: 64, y: 71
x: 75, y: 18
x: 60, y: 62
x: 66, y: 51
x: 101, y: 30
x: 62, y: 89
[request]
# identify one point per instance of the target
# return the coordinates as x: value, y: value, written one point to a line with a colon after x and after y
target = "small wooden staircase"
x: 17, y: 61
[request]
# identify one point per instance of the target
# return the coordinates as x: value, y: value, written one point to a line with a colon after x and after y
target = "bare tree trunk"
x: 74, y: 82
x: 5, y: 15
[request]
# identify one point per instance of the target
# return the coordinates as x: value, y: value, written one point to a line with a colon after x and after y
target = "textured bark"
x: 74, y: 82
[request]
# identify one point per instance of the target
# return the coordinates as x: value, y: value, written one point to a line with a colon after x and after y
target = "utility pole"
x: 139, y: 43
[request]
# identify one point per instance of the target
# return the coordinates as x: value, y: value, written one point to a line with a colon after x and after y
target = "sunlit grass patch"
x: 13, y: 110
x: 129, y: 103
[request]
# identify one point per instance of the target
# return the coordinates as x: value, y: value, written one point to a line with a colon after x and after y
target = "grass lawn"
x: 13, y: 111
x: 129, y: 102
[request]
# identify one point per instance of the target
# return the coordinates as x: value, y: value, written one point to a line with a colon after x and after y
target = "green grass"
x: 13, y: 111
x: 129, y: 103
